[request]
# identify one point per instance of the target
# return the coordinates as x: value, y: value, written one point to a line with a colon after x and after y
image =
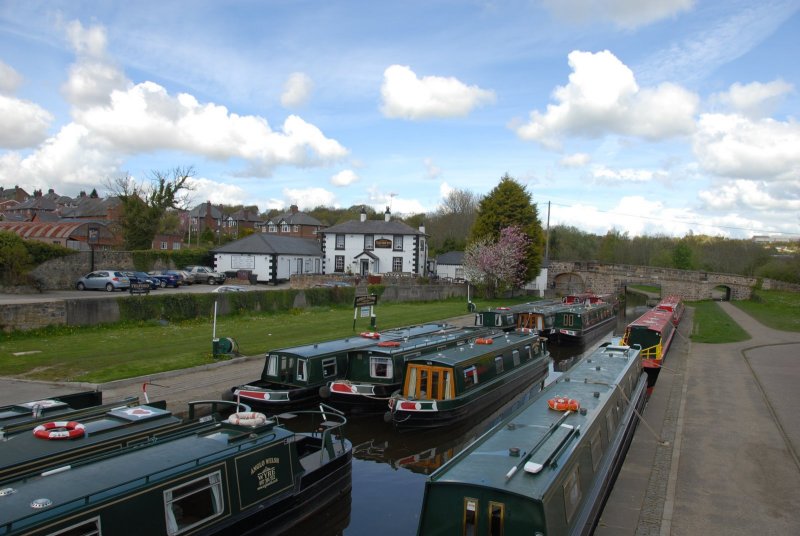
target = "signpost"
x: 366, y: 304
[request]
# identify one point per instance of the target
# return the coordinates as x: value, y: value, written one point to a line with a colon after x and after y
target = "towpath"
x: 729, y: 419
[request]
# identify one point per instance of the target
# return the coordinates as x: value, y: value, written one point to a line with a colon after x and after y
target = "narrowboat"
x: 654, y: 331
x: 549, y: 467
x: 541, y: 318
x: 292, y: 377
x: 375, y: 372
x: 26, y: 411
x: 444, y: 388
x: 223, y: 476
x: 583, y: 323
x: 507, y: 317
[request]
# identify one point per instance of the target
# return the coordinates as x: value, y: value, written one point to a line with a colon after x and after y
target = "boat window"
x: 611, y: 422
x: 515, y: 357
x: 411, y: 382
x: 272, y: 367
x: 193, y: 504
x: 596, y: 445
x: 479, y: 320
x: 572, y: 494
x: 302, y: 372
x: 527, y: 352
x: 380, y: 367
x: 569, y: 320
x: 470, y: 517
x: 90, y: 527
x: 329, y: 367
x: 448, y: 385
x: 470, y: 376
x: 496, y: 515
x: 498, y: 364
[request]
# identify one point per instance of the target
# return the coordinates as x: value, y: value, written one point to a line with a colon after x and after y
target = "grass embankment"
x: 712, y: 325
x: 104, y: 353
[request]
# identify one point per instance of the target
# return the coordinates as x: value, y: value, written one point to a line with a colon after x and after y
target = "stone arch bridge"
x: 583, y: 276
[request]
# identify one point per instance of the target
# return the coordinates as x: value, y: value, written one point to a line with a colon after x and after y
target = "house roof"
x: 390, y: 227
x: 73, y: 230
x: 270, y: 244
x: 451, y: 257
x: 367, y: 254
x: 296, y: 218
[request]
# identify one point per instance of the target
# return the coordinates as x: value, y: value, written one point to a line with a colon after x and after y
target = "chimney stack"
x: 363, y: 214
x: 387, y: 215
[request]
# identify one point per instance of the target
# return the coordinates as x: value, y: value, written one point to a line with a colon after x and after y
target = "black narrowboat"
x: 583, y: 323
x: 447, y: 387
x: 292, y: 377
x: 549, y: 467
x: 26, y: 411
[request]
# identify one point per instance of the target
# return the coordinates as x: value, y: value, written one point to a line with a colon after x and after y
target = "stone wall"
x: 28, y: 316
x: 61, y: 273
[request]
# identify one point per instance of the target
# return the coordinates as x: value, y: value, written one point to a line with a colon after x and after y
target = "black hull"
x: 363, y: 405
x: 299, y: 398
x: 487, y: 401
x: 589, y: 334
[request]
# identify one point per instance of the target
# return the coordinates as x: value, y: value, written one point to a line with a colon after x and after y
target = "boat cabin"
x: 578, y: 322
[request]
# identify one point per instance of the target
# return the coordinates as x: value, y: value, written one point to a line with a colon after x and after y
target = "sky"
x: 638, y: 116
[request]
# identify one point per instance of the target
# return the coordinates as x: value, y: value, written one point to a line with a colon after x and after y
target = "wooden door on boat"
x: 427, y: 382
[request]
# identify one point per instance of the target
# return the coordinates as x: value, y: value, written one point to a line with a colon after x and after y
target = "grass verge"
x: 773, y: 308
x: 712, y: 325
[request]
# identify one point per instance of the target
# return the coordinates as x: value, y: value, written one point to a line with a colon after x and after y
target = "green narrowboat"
x: 549, y: 467
x: 292, y: 377
x: 224, y: 476
x: 447, y: 387
x: 375, y: 372
x: 586, y: 322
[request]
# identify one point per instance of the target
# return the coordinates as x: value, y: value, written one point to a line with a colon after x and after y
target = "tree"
x: 449, y: 225
x: 682, y: 256
x: 498, y: 265
x: 507, y: 205
x: 144, y: 207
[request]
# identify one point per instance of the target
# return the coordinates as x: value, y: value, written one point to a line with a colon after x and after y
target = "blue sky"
x: 644, y: 116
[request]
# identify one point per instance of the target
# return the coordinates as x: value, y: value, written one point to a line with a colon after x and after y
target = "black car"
x: 166, y: 280
x: 143, y: 277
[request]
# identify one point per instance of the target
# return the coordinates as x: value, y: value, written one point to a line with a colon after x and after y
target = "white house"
x: 271, y: 258
x: 374, y: 247
x: 450, y: 265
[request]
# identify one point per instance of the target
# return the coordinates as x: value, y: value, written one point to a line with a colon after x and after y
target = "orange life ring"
x: 59, y: 430
x: 561, y: 403
x: 388, y: 343
x: 251, y: 418
x: 482, y: 340
x: 370, y: 335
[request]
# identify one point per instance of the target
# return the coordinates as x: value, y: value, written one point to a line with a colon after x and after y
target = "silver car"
x: 109, y: 280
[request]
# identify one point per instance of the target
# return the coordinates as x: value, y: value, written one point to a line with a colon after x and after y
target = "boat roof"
x: 654, y: 319
x: 528, y: 306
x: 487, y: 461
x: 670, y: 303
x: 426, y: 341
x: 356, y: 341
x: 115, y: 474
x: 466, y: 352
x: 580, y: 308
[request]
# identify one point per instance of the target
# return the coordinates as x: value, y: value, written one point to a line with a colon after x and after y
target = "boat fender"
x: 59, y: 430
x: 388, y: 344
x: 561, y: 403
x: 250, y: 418
x: 387, y: 417
x: 325, y: 391
x: 370, y: 335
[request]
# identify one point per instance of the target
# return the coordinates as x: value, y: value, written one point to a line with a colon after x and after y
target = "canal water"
x: 390, y: 467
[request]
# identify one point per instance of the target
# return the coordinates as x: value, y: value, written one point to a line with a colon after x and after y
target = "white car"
x: 229, y: 288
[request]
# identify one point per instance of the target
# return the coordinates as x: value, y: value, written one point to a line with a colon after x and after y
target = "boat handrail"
x: 238, y: 406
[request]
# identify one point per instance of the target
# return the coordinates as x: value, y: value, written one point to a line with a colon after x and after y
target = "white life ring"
x: 251, y: 418
x: 59, y: 430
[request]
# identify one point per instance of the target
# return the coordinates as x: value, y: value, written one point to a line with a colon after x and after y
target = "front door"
x: 364, y: 267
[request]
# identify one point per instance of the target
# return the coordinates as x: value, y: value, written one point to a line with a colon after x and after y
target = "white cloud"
x: 623, y: 13
x: 296, y: 90
x: 756, y: 99
x: 602, y: 97
x: 219, y: 193
x: 445, y: 189
x: 345, y: 177
x: 575, y: 160
x: 309, y: 198
x: 748, y: 195
x: 10, y: 79
x: 737, y: 147
x: 432, y: 171
x: 407, y: 97
x: 22, y: 123
x: 605, y: 175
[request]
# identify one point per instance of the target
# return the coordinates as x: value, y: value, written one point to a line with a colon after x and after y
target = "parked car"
x: 205, y: 274
x: 143, y: 277
x: 109, y: 280
x: 229, y: 288
x: 166, y: 279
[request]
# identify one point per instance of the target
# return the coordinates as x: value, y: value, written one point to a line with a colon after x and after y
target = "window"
x: 515, y: 357
x: 272, y: 228
x: 339, y: 241
x: 90, y: 527
x: 380, y: 367
x: 272, y: 367
x: 369, y: 242
x: 338, y: 263
x: 470, y: 376
x: 397, y: 264
x: 176, y: 245
x: 164, y: 244
x: 193, y: 504
x: 302, y: 370
x: 496, y: 514
x: 284, y: 227
x: 572, y: 494
x: 329, y: 367
x: 296, y: 228
x: 470, y: 517
x: 498, y: 364
x: 397, y: 243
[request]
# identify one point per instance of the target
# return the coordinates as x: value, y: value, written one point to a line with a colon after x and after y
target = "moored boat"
x: 444, y: 388
x: 26, y: 411
x: 292, y: 377
x: 544, y: 471
x: 528, y: 316
x: 375, y: 372
x: 226, y: 476
x: 654, y: 331
x: 585, y: 322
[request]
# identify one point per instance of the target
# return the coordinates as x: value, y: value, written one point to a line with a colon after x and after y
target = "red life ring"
x: 481, y: 340
x: 370, y: 335
x: 388, y: 343
x: 59, y: 430
x: 251, y: 418
x: 560, y: 403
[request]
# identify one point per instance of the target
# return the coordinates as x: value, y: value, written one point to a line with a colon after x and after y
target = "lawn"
x: 713, y: 325
x: 773, y: 308
x: 110, y: 352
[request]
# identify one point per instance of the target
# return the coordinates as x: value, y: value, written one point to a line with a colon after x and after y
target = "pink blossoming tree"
x: 498, y: 265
